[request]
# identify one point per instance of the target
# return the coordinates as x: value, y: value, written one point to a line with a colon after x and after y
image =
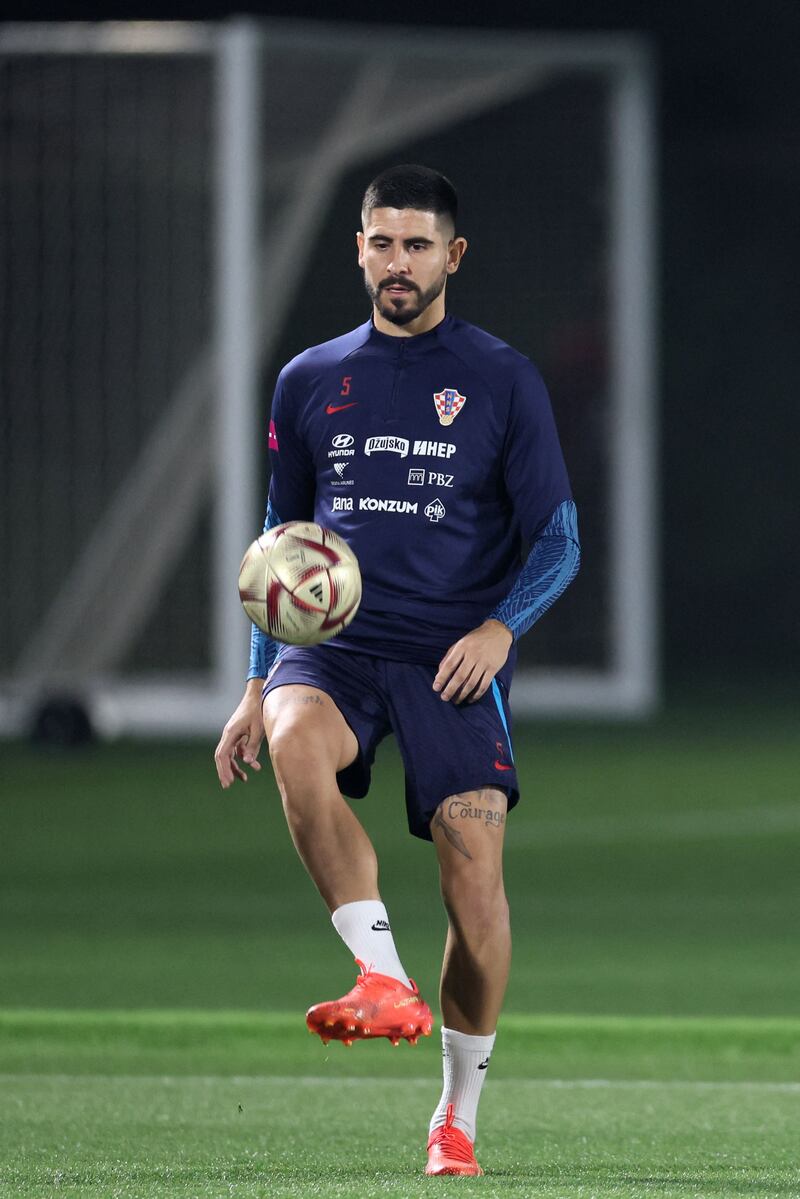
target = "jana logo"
x: 435, y: 510
x: 342, y: 441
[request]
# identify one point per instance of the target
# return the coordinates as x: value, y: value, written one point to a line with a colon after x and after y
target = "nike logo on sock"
x: 483, y: 1065
x: 381, y: 926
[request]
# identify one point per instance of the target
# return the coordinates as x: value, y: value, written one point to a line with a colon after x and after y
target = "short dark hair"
x: 411, y: 186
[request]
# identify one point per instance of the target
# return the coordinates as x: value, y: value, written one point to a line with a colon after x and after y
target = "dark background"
x: 729, y: 176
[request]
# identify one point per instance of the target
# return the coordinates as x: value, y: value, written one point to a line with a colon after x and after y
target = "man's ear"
x: 455, y: 252
x: 360, y: 243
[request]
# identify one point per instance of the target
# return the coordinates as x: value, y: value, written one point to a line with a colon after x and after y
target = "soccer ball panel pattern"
x: 300, y: 583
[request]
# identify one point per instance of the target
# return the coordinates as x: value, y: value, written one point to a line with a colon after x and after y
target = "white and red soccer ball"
x: 300, y: 583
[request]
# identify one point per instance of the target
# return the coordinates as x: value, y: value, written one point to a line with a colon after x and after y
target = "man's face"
x: 406, y: 256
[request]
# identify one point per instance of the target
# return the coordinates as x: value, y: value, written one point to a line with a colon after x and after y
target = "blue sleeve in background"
x: 291, y: 489
x: 550, y: 567
x: 263, y: 649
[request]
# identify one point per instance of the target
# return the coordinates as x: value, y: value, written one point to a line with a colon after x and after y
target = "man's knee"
x: 308, y: 738
x: 297, y: 749
x: 468, y: 833
x: 479, y: 904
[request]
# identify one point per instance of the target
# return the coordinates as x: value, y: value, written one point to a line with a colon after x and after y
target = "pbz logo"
x: 435, y: 510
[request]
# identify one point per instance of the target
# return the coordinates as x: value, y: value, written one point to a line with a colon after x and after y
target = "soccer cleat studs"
x: 377, y: 1006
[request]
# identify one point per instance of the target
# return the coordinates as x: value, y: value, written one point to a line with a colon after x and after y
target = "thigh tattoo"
x: 457, y: 809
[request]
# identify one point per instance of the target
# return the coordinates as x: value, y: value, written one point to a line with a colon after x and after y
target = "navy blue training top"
x: 436, y: 457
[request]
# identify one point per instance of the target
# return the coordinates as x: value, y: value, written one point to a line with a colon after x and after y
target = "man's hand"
x: 241, y: 738
x: 468, y: 667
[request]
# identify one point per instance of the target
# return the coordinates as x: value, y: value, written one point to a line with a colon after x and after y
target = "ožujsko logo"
x: 386, y: 445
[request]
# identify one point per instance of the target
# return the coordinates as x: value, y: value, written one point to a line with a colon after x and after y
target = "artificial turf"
x: 186, y: 1104
x: 651, y: 870
x: 160, y: 942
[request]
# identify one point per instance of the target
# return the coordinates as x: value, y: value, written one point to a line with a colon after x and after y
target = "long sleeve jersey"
x: 436, y: 458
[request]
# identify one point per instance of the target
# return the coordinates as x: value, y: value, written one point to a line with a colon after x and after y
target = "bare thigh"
x: 304, y: 725
x: 468, y: 831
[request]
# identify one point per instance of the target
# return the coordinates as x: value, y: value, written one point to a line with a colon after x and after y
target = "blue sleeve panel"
x: 262, y: 648
x: 551, y: 566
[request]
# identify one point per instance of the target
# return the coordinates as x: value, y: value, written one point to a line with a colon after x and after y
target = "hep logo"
x: 342, y: 440
x: 435, y: 510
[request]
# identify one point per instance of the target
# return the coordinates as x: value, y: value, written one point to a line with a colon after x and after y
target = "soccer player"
x: 430, y: 446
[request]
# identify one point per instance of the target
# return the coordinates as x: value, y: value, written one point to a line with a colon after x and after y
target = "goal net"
x: 180, y: 203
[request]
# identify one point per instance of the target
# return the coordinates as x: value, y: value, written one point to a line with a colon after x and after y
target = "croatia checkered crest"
x: 300, y: 583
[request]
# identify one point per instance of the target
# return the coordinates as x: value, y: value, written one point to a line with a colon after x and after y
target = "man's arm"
x: 291, y: 490
x: 468, y: 667
x: 550, y: 567
x: 538, y: 487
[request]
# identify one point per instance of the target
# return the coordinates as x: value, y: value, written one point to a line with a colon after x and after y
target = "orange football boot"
x: 377, y: 1006
x: 450, y: 1151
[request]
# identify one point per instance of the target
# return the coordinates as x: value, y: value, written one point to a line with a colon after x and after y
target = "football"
x: 300, y: 583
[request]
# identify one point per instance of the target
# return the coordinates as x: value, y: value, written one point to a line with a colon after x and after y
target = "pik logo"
x: 435, y: 511
x: 448, y: 403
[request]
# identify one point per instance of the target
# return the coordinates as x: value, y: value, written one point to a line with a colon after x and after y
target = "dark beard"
x: 414, y: 305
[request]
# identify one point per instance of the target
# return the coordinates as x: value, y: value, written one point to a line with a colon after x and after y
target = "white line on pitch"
x: 313, y: 1080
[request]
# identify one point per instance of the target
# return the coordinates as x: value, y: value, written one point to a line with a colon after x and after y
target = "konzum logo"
x: 369, y: 504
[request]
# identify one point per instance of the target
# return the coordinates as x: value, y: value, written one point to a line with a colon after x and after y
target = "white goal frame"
x: 223, y: 388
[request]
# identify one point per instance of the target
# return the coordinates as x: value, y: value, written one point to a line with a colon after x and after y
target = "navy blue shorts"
x: 446, y: 748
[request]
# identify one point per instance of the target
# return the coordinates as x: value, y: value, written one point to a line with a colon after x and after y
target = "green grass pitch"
x: 159, y: 944
x: 133, y: 1106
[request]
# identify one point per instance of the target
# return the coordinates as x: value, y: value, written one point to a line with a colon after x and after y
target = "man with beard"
x: 430, y: 446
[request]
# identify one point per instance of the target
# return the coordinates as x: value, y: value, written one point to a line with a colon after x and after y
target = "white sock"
x: 364, y: 928
x: 464, y: 1060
